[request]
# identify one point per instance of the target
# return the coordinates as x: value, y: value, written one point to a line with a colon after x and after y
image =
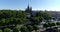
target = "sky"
x: 35, y: 4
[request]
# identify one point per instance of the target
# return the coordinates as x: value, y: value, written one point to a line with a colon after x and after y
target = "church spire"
x: 28, y: 5
x: 28, y: 9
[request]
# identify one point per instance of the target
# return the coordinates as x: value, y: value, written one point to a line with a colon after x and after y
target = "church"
x: 29, y: 10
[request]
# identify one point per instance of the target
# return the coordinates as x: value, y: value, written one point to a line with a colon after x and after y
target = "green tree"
x: 53, y: 24
x: 2, y: 21
x: 45, y: 25
x: 7, y: 30
x: 50, y: 24
x: 15, y: 30
x: 58, y: 23
x: 7, y: 22
x: 24, y: 29
x: 30, y: 28
x: 35, y: 27
x: 1, y: 31
x: 35, y: 20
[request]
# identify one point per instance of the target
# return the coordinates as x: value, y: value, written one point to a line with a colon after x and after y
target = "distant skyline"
x: 35, y: 4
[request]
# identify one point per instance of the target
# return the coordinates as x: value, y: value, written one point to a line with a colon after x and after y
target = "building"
x: 55, y: 15
x: 30, y: 11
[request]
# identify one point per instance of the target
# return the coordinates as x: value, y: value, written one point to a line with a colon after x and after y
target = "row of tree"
x: 28, y: 28
x: 46, y: 25
x: 52, y: 26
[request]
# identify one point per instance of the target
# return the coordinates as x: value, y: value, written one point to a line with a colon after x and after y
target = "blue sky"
x: 36, y: 4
